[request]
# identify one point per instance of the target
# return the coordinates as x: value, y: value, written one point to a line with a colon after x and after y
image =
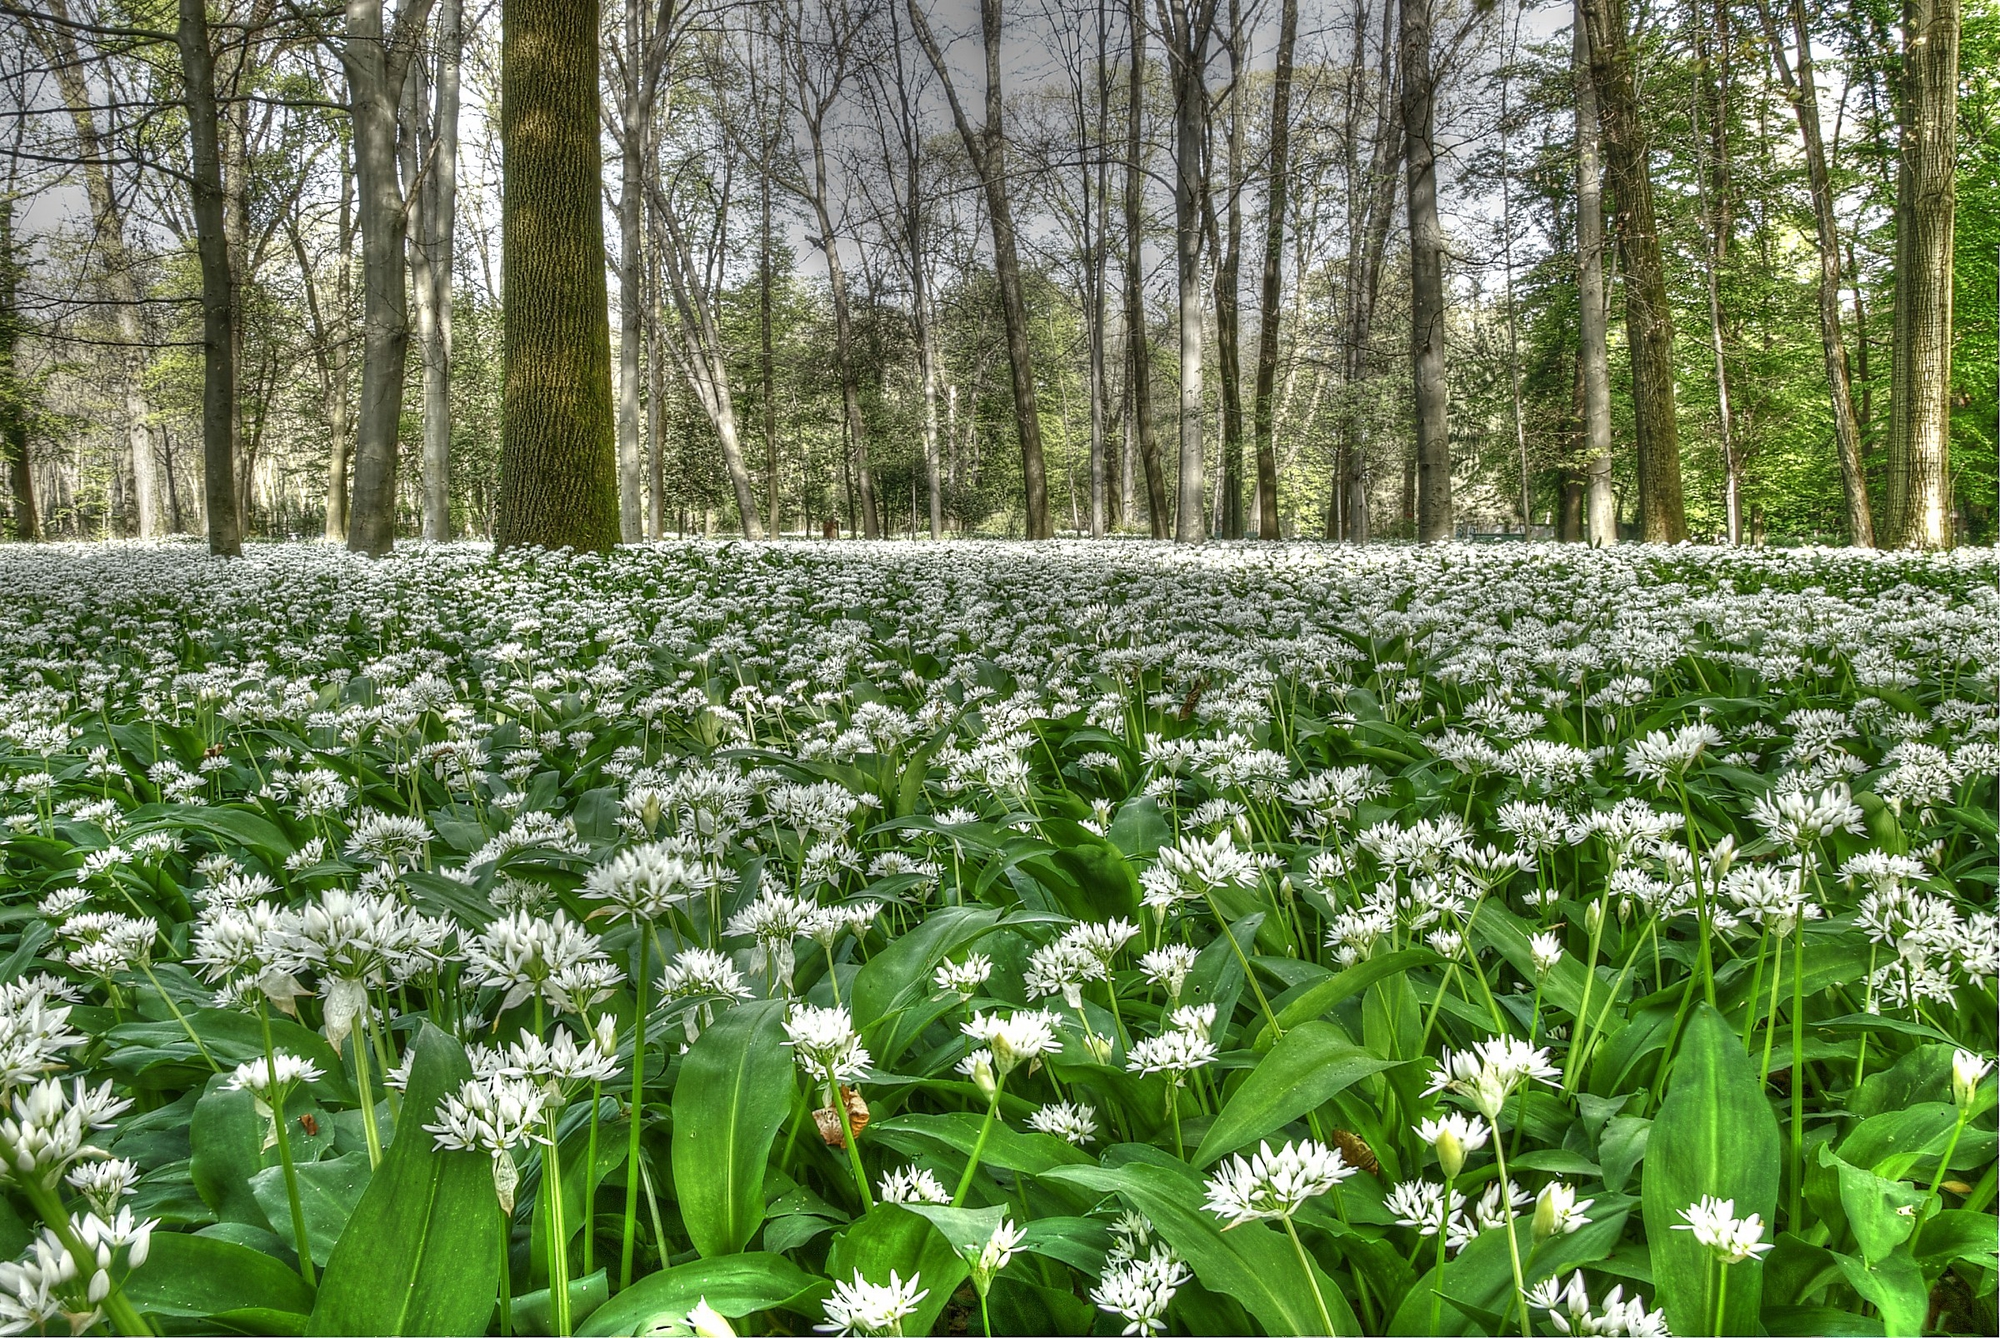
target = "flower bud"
x: 1451, y: 1153
x: 1967, y: 1069
x: 1099, y: 1047
x: 983, y: 1079
x: 1593, y: 917
x: 708, y: 1322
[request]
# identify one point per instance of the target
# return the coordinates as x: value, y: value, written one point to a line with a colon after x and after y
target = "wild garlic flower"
x: 963, y: 977
x: 1967, y: 1071
x: 1545, y: 953
x: 527, y: 956
x: 1193, y: 867
x: 1798, y: 821
x: 103, y: 1183
x: 1139, y: 1290
x: 270, y: 1080
x: 911, y: 1184
x: 44, y: 1129
x: 1168, y: 967
x: 774, y: 920
x: 393, y: 839
x: 1667, y: 755
x: 1175, y: 1053
x: 644, y: 882
x: 825, y: 1045
x: 1570, y: 1311
x: 1073, y: 1122
x: 996, y: 1254
x: 1558, y: 1211
x: 1423, y: 1204
x: 33, y: 1035
x: 493, y: 1115
x: 1453, y: 1135
x: 1491, y: 1071
x: 1021, y: 1038
x: 1063, y: 967
x: 1274, y: 1184
x: 1714, y: 1223
x: 863, y: 1307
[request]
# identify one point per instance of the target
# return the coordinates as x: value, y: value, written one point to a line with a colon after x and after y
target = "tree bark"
x: 1649, y: 324
x: 1427, y: 332
x: 1920, y: 439
x: 558, y: 462
x: 1228, y: 294
x: 431, y: 225
x: 1593, y: 356
x: 1712, y: 188
x: 1801, y: 87
x: 1187, y: 26
x: 13, y: 396
x: 987, y: 147
x: 218, y: 284
x: 1272, y: 292
x: 377, y: 62
x: 1138, y: 347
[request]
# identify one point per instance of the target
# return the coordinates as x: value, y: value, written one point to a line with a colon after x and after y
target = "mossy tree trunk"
x: 558, y: 459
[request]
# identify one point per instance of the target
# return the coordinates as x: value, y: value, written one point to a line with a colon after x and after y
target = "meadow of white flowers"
x: 1070, y: 938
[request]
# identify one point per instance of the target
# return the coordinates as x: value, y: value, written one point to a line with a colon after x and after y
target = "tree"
x: 1427, y: 332
x: 650, y: 28
x: 987, y: 148
x: 558, y: 466
x: 13, y: 396
x: 1139, y: 372
x: 1926, y: 197
x: 218, y: 283
x: 1593, y: 355
x: 1272, y: 290
x: 430, y: 145
x: 1649, y: 320
x: 1802, y: 89
x: 1188, y: 26
x: 377, y: 59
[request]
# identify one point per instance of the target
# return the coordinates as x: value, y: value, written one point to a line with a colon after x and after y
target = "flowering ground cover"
x: 981, y: 938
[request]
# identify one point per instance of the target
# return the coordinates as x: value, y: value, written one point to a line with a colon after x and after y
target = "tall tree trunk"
x: 1593, y: 355
x: 1712, y: 189
x: 1272, y: 292
x: 1367, y: 246
x: 432, y: 221
x: 635, y: 123
x: 987, y: 147
x: 1427, y: 332
x: 218, y: 284
x: 1138, y: 347
x: 843, y: 352
x: 118, y: 283
x: 1188, y: 25
x: 1920, y: 438
x: 1096, y: 233
x: 13, y: 396
x: 558, y: 459
x: 766, y: 357
x: 1649, y: 326
x: 335, y: 373
x: 1228, y: 294
x: 1804, y: 93
x: 377, y: 63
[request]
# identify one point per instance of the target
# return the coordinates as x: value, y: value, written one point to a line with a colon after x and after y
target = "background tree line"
x: 1711, y: 268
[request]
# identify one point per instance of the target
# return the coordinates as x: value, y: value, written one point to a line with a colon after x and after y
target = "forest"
x: 1720, y: 271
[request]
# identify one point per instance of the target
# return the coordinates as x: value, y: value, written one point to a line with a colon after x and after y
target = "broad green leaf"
x: 1304, y: 1070
x: 734, y: 1285
x: 1894, y: 1286
x: 1891, y: 1143
x: 1956, y: 1234
x: 1714, y: 1135
x: 889, y: 1238
x: 199, y: 1276
x: 532, y: 1312
x: 328, y: 1191
x: 1253, y: 1263
x: 1881, y: 1213
x: 227, y: 1137
x: 1006, y: 1149
x: 734, y: 1092
x: 422, y: 1254
x: 1479, y: 1280
x: 1317, y: 999
x: 901, y: 972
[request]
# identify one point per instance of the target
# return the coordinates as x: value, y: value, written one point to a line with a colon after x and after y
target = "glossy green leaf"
x: 1714, y: 1135
x: 1317, y: 999
x: 227, y: 1136
x: 1895, y: 1286
x: 199, y: 1276
x: 890, y: 1238
x: 734, y: 1285
x: 422, y: 1252
x: 734, y: 1092
x: 532, y: 1312
x: 328, y: 1191
x: 1311, y: 1065
x: 1479, y: 1280
x: 1881, y: 1213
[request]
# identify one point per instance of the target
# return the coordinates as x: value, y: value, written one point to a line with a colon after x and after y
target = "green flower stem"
x: 854, y: 1151
x: 179, y: 1017
x: 1756, y: 988
x: 633, y: 1114
x: 1944, y: 1162
x: 506, y: 1275
x: 1305, y: 1263
x: 1520, y: 1296
x: 1174, y: 1109
x: 558, y: 1238
x: 1798, y: 1070
x: 1256, y: 987
x: 1583, y: 1009
x: 1721, y: 1297
x: 978, y: 1147
x: 1771, y: 1011
x: 299, y: 1237
x: 363, y: 1081
x: 590, y: 1183
x: 124, y: 1319
x: 1437, y: 1287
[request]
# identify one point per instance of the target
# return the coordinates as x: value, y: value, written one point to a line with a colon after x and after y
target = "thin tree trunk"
x: 1188, y: 27
x: 766, y: 358
x: 635, y: 121
x: 1228, y: 294
x: 1920, y: 440
x: 1095, y: 199
x: 1138, y: 347
x: 218, y: 284
x: 1272, y: 294
x: 1507, y: 253
x: 13, y: 396
x: 432, y: 221
x: 558, y: 458
x: 1593, y: 356
x: 843, y: 342
x: 1714, y: 200
x: 1648, y: 317
x: 1427, y: 332
x: 987, y: 147
x: 338, y: 365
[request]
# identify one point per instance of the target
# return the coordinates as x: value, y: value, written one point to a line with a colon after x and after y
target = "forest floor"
x: 1047, y: 938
